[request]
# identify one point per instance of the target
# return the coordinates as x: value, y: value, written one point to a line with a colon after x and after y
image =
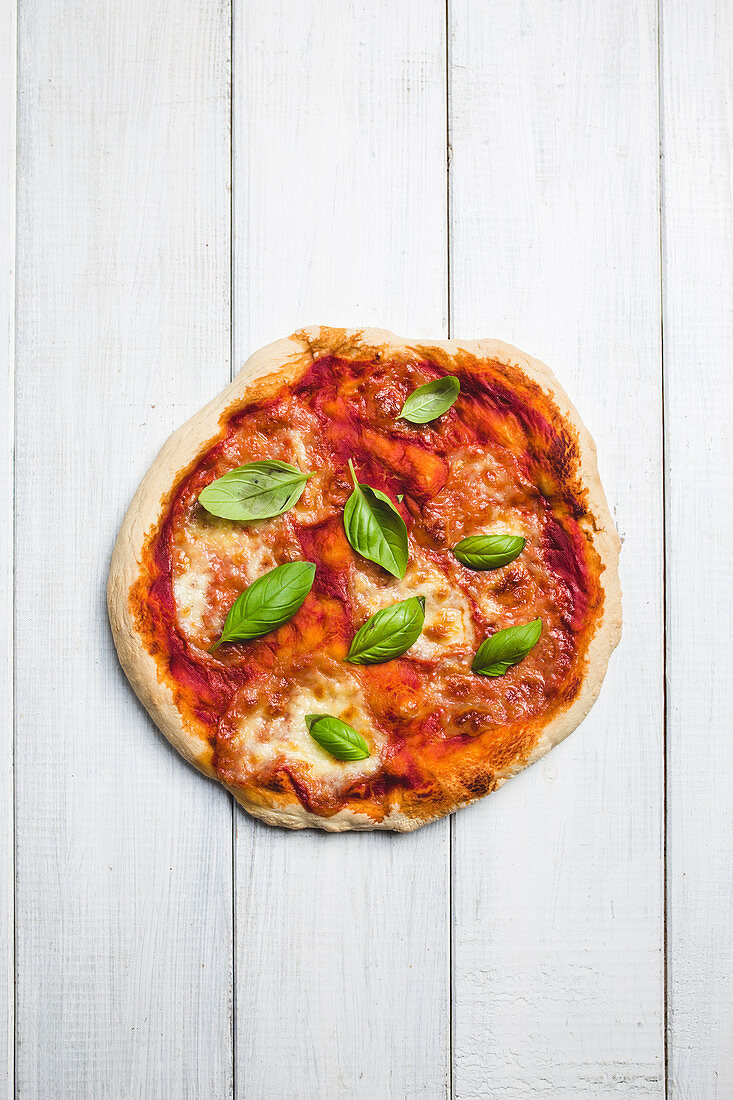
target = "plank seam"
x: 12, y: 1024
x: 660, y: 185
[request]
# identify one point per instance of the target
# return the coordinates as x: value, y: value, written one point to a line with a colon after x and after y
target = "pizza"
x: 370, y: 581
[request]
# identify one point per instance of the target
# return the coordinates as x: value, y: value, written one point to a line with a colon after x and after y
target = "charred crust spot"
x: 480, y: 784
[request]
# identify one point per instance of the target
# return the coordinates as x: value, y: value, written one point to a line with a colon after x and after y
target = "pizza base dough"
x: 263, y: 374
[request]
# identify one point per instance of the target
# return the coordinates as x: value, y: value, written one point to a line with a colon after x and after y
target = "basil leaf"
x: 488, y: 551
x: 431, y: 400
x: 336, y: 737
x: 258, y: 490
x: 388, y: 633
x: 506, y: 648
x: 375, y: 528
x: 268, y: 602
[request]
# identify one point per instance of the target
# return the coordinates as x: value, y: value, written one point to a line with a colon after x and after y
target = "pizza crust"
x: 283, y: 362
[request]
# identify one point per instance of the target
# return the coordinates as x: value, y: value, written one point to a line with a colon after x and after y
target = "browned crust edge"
x: 284, y: 362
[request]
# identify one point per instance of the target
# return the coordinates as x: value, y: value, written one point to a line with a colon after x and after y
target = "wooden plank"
x: 339, y: 198
x: 124, y: 852
x: 697, y: 122
x: 558, y: 879
x: 8, y: 74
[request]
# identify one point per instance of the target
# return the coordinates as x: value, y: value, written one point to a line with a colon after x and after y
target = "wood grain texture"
x: 8, y: 67
x: 124, y: 852
x: 557, y: 879
x: 697, y: 117
x: 124, y: 872
x: 339, y: 218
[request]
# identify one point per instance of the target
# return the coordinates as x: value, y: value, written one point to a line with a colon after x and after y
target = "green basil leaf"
x: 375, y: 528
x: 388, y: 633
x: 488, y: 551
x: 336, y: 737
x: 506, y: 648
x: 258, y: 490
x: 268, y: 602
x: 428, y: 402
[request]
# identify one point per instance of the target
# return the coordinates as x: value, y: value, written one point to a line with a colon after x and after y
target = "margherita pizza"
x: 370, y: 581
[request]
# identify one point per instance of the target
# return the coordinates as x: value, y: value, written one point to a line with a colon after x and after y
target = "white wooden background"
x: 195, y: 178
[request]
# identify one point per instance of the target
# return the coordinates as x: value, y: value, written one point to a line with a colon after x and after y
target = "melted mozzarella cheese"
x: 448, y: 624
x: 312, y: 507
x: 268, y: 741
x: 474, y: 471
x: 190, y: 591
x: 250, y: 548
x: 248, y: 552
x: 486, y: 491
